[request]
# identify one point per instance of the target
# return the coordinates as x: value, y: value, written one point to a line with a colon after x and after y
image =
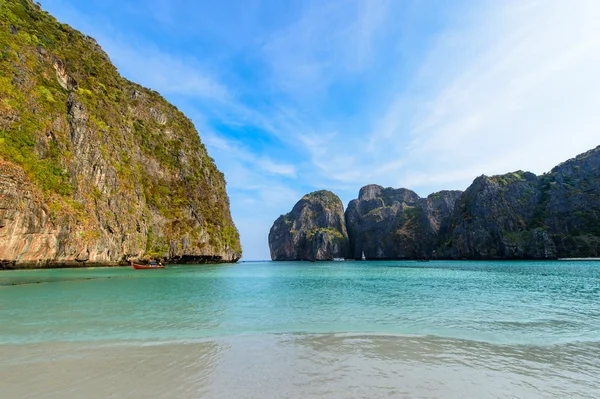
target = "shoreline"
x: 298, y: 366
x: 43, y: 265
x: 297, y: 330
x: 406, y: 337
x: 12, y: 265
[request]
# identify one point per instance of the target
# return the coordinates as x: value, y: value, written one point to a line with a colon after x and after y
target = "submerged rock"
x: 313, y: 230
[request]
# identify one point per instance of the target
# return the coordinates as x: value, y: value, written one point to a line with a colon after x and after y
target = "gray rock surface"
x: 523, y: 216
x: 517, y: 215
x: 491, y: 220
x: 313, y: 230
x: 387, y: 223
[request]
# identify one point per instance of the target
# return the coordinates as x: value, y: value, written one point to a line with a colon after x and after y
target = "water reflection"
x: 302, y: 366
x: 359, y: 366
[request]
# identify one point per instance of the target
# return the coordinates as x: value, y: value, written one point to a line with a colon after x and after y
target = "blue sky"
x: 296, y: 96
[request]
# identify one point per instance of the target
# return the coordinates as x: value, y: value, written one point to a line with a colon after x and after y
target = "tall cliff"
x: 96, y: 169
x: 491, y: 220
x: 313, y: 230
x: 520, y: 215
x: 387, y: 223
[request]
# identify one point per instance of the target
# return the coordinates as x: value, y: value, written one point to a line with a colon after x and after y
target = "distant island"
x: 513, y: 216
x: 95, y: 169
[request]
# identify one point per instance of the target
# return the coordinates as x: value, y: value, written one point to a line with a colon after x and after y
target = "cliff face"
x: 570, y: 206
x: 522, y: 216
x: 492, y: 220
x: 313, y: 230
x: 387, y: 223
x: 96, y: 169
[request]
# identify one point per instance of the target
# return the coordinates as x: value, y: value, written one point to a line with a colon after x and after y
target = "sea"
x: 354, y: 329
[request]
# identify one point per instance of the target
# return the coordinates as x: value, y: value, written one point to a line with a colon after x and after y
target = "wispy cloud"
x: 522, y: 98
x: 329, y: 39
x: 165, y: 72
x: 277, y: 168
x: 241, y: 154
x: 142, y: 60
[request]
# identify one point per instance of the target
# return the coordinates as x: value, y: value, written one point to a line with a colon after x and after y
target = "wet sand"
x: 300, y: 366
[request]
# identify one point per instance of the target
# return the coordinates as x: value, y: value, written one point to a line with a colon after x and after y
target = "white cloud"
x: 257, y: 188
x: 146, y: 63
x: 513, y: 86
x: 329, y: 39
x: 247, y: 161
x: 524, y: 94
x: 164, y: 72
x: 277, y: 168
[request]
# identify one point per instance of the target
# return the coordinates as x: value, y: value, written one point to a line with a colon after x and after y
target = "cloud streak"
x: 165, y: 72
x: 328, y: 40
x: 525, y: 97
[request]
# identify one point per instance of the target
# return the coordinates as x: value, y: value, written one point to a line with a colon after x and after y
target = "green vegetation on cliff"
x: 522, y: 216
x: 105, y: 155
x: 314, y: 229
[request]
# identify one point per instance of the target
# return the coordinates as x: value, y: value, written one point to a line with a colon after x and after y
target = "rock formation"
x: 491, y: 220
x: 522, y: 216
x: 514, y: 216
x: 96, y: 169
x: 387, y: 223
x: 313, y: 230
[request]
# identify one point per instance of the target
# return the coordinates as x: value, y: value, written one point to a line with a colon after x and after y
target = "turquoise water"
x: 451, y: 330
x: 532, y: 303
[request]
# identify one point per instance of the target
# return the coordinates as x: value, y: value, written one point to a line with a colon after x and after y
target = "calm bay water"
x: 331, y: 329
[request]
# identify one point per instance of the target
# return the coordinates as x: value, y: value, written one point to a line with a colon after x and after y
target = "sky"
x: 291, y: 97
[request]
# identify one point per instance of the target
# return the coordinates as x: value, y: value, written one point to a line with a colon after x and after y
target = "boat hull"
x: 144, y: 267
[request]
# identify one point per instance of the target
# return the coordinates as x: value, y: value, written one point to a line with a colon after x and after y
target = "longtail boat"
x: 151, y: 265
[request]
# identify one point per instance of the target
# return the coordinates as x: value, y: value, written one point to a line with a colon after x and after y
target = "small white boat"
x: 338, y: 259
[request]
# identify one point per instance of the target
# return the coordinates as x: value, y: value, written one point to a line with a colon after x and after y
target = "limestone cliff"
x: 517, y: 215
x: 96, y: 169
x: 523, y: 216
x: 569, y: 206
x: 492, y: 220
x: 313, y: 230
x: 387, y: 223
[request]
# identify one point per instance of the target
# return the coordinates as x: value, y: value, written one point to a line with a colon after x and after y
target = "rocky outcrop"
x: 96, y: 169
x: 313, y: 230
x: 569, y: 209
x: 387, y: 223
x: 523, y: 216
x: 25, y: 224
x: 492, y: 220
